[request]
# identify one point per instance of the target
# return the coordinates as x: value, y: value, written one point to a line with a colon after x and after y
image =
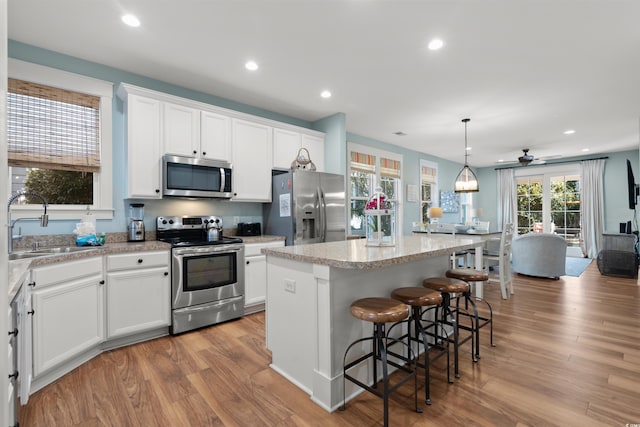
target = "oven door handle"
x: 205, y: 250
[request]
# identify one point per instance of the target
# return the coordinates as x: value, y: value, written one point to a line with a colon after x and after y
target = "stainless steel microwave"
x: 184, y: 176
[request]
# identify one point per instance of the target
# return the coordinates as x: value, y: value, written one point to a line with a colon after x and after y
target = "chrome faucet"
x: 44, y: 218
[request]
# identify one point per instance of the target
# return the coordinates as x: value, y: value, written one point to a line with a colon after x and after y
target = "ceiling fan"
x: 526, y: 158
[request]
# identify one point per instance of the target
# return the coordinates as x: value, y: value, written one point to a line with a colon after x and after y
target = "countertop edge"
x: 368, y: 264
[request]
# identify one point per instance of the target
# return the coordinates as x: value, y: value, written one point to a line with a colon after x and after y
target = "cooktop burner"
x: 183, y: 231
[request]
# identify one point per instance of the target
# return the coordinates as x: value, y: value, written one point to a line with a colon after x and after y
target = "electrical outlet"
x: 290, y: 285
x: 236, y: 220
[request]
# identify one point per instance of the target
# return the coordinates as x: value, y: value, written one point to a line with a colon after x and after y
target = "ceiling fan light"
x: 466, y: 181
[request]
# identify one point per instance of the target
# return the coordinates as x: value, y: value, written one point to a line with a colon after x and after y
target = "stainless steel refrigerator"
x: 307, y: 207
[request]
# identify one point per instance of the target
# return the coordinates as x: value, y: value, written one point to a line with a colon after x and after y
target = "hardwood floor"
x: 567, y: 354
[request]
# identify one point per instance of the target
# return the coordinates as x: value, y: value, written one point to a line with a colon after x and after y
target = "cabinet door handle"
x: 32, y: 312
x: 157, y: 190
x: 166, y: 273
x: 102, y: 282
x: 140, y: 261
x: 247, y: 262
x: 32, y: 284
x: 195, y: 151
x: 204, y: 153
x: 14, y: 332
x: 14, y: 375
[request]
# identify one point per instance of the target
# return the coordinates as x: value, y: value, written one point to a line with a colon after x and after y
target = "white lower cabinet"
x: 75, y: 313
x: 67, y: 309
x: 138, y: 293
x: 255, y: 275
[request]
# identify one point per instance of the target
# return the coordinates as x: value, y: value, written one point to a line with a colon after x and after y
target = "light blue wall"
x: 615, y: 188
x: 335, y: 129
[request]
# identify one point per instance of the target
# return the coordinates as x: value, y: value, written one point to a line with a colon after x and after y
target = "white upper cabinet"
x: 287, y: 143
x: 252, y: 160
x: 215, y: 136
x: 181, y: 130
x: 144, y: 147
x: 196, y: 133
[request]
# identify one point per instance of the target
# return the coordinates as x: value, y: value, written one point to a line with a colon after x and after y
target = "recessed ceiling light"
x: 569, y: 132
x: 131, y: 20
x: 325, y: 94
x: 501, y: 161
x: 251, y: 65
x: 400, y: 133
x: 584, y: 150
x: 435, y: 44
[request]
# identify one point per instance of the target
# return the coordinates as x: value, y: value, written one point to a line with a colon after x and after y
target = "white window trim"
x: 365, y: 149
x: 547, y: 172
x: 102, y: 181
x: 435, y: 194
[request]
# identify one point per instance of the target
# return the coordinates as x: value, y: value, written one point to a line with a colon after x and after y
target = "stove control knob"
x: 170, y: 221
x: 164, y: 221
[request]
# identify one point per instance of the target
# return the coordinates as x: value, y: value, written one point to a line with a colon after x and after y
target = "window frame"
x: 102, y: 206
x: 546, y: 173
x: 378, y: 153
x: 435, y: 194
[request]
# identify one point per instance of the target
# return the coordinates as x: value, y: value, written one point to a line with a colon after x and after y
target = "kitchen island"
x: 310, y: 289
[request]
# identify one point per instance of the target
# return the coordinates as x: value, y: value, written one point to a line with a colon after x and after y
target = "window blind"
x: 428, y: 175
x: 389, y: 168
x: 363, y: 162
x: 52, y: 128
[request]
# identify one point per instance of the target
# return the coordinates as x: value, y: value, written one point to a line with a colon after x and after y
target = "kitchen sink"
x: 63, y: 250
x: 51, y: 251
x: 23, y: 255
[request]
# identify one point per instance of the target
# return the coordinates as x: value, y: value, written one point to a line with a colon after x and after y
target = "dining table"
x: 481, y: 236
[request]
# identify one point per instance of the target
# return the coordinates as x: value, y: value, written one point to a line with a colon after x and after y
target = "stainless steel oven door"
x: 206, y: 274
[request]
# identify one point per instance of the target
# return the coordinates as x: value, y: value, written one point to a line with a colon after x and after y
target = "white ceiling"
x: 524, y: 71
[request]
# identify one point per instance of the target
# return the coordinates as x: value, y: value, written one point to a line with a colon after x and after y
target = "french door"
x: 549, y: 202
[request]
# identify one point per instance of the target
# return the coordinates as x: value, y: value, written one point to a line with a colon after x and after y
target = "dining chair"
x: 503, y: 258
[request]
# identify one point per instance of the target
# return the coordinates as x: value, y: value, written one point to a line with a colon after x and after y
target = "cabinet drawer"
x: 137, y: 260
x: 253, y: 249
x: 66, y: 271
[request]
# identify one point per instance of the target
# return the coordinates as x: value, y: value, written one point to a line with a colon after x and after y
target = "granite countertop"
x: 354, y: 254
x: 19, y: 268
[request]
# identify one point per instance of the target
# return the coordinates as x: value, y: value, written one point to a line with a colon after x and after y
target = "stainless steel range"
x: 207, y: 271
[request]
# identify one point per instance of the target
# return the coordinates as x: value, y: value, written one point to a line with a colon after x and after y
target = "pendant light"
x: 466, y: 181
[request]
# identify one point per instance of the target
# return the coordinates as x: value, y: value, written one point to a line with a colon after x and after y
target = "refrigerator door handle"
x: 323, y: 215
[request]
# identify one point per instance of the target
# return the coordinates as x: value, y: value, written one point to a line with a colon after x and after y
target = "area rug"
x: 576, y: 266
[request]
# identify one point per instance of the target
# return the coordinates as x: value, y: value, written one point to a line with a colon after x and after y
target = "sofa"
x: 539, y: 254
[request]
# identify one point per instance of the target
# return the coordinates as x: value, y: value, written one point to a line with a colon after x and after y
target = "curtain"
x: 507, y: 199
x: 592, y: 205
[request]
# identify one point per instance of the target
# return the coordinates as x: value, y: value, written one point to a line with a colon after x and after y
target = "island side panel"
x: 291, y: 320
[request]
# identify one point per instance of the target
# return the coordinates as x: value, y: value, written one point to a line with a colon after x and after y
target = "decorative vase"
x: 380, y: 220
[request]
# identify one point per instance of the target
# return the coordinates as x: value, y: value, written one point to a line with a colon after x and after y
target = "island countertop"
x: 355, y: 254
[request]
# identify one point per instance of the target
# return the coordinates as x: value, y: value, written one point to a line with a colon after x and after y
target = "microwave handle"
x: 222, y: 180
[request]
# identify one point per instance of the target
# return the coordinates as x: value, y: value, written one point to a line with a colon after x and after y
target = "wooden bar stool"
x: 450, y: 289
x: 380, y: 311
x: 419, y: 299
x: 471, y: 275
